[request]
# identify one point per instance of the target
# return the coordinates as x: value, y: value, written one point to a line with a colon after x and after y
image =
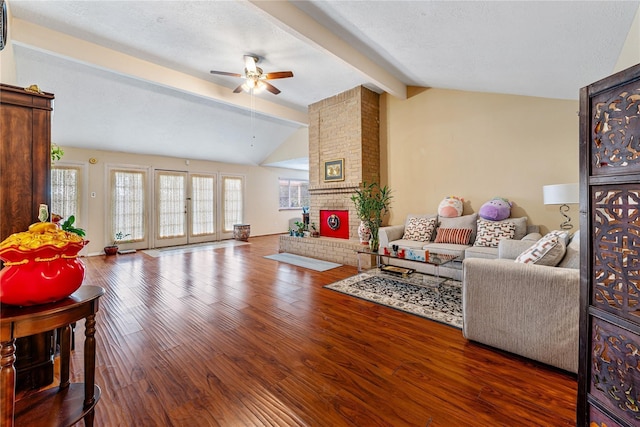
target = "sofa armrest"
x: 532, y: 237
x: 530, y: 310
x: 510, y: 249
x: 389, y: 234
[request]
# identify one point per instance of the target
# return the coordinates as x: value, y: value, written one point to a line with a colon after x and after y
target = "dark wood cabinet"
x: 25, y: 183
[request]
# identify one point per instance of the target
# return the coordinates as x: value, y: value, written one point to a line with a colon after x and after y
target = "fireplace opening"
x: 334, y: 223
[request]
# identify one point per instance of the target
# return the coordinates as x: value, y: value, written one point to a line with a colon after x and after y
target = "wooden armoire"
x: 25, y: 183
x: 609, y: 373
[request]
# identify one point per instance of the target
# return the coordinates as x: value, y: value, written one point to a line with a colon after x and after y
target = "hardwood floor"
x: 226, y: 337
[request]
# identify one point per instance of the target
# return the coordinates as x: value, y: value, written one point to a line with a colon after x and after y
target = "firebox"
x: 334, y: 223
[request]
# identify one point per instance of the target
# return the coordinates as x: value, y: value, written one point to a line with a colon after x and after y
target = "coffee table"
x: 435, y: 259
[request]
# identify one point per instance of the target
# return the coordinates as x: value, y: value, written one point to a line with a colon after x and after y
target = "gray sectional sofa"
x: 393, y: 235
x: 527, y: 309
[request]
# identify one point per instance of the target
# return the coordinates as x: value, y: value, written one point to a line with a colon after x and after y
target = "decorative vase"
x: 364, y: 233
x: 42, y: 275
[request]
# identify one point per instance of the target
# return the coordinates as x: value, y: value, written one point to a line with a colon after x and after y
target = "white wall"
x: 261, y: 207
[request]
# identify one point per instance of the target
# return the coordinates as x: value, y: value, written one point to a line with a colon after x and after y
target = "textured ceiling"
x: 543, y: 48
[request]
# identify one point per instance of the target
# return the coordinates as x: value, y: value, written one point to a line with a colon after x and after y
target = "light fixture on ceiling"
x: 563, y: 195
x: 255, y: 77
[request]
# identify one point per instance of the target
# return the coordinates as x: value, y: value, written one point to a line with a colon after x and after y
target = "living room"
x: 435, y: 143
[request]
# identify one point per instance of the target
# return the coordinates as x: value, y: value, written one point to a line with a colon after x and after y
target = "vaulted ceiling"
x: 134, y: 76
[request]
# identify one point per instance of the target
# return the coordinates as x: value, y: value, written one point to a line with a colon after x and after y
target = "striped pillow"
x: 458, y: 236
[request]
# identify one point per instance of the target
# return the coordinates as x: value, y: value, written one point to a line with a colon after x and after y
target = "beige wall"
x: 477, y: 146
x: 261, y: 207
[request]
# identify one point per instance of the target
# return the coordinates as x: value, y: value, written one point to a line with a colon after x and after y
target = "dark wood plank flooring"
x: 226, y: 337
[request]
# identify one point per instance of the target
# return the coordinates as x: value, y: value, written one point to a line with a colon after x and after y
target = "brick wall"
x: 345, y: 126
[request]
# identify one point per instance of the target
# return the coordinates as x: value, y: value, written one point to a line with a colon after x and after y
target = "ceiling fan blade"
x: 271, y: 88
x: 250, y: 63
x: 238, y: 89
x: 278, y: 75
x: 224, y: 73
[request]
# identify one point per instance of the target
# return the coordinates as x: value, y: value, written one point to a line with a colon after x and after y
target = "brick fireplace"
x: 345, y: 126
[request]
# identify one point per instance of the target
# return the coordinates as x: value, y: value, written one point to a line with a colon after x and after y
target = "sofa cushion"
x: 481, y: 252
x: 572, y: 256
x: 446, y: 248
x: 459, y: 236
x: 464, y: 221
x: 407, y: 244
x: 419, y: 229
x: 491, y: 232
x: 547, y: 251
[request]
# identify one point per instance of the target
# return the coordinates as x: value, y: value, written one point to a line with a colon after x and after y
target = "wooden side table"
x: 69, y: 403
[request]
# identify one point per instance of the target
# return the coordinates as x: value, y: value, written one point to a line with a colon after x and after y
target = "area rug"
x: 303, y: 261
x: 422, y: 295
x: 196, y: 247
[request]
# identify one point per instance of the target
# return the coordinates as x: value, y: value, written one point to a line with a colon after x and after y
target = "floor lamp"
x: 563, y: 195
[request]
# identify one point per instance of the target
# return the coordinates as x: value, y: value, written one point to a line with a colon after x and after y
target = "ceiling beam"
x: 305, y: 28
x: 62, y: 45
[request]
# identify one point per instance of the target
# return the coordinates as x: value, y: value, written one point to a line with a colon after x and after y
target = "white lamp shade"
x: 561, y: 194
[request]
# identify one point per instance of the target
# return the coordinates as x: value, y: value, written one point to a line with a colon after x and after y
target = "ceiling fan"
x: 256, y: 79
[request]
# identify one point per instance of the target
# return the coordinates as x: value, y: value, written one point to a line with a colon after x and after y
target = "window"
x: 294, y: 193
x: 232, y: 201
x: 65, y: 192
x: 128, y: 195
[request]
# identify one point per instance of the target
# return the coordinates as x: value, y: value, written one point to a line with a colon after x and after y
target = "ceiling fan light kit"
x: 255, y: 77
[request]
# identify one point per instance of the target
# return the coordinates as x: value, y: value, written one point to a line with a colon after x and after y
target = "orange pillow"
x: 458, y: 236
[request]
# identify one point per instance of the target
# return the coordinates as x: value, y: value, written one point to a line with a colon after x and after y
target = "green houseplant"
x: 372, y: 204
x: 117, y: 239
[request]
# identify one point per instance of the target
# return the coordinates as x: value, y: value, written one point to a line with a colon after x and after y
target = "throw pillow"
x: 419, y: 229
x: 464, y: 221
x: 457, y: 236
x: 409, y: 216
x: 547, y: 251
x: 450, y: 207
x: 495, y: 209
x: 491, y: 232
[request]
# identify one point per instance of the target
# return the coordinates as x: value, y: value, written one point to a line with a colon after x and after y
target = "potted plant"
x: 301, y: 228
x: 56, y: 152
x: 315, y: 232
x: 372, y: 203
x: 113, y: 248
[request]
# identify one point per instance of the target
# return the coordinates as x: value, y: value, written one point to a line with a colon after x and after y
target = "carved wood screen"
x: 609, y: 373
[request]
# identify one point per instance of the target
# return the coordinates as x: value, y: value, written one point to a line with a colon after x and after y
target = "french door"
x: 185, y: 208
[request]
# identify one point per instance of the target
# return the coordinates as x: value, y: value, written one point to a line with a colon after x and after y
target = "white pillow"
x: 419, y: 229
x: 491, y: 232
x: 547, y: 251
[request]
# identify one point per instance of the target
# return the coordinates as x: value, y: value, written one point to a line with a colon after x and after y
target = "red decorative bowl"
x: 41, y: 275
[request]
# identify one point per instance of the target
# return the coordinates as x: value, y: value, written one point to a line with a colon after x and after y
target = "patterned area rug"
x: 421, y: 295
